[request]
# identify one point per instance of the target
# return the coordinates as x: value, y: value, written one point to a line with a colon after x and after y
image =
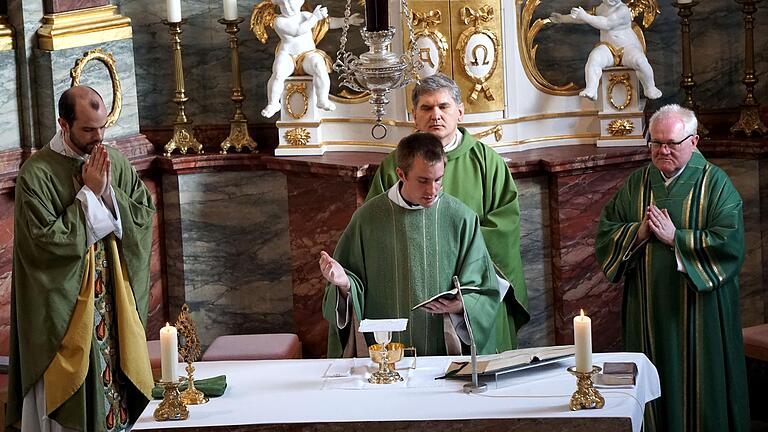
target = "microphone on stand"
x: 475, y: 386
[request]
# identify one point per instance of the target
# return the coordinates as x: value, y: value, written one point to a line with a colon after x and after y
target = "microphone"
x: 475, y: 386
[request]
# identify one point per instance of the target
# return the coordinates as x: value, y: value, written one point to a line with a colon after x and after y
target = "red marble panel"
x: 319, y: 210
x: 157, y: 296
x: 578, y: 282
x: 6, y: 265
x: 56, y: 6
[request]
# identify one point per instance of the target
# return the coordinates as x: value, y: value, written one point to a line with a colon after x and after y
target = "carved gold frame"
x: 624, y: 80
x: 480, y: 81
x: 117, y: 90
x: 291, y: 89
x: 440, y: 42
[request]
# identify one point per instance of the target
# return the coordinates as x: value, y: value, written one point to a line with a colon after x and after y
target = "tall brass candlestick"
x: 687, y: 83
x: 183, y: 136
x: 238, y: 126
x: 749, y: 118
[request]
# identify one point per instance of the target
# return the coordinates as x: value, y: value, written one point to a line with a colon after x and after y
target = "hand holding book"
x: 451, y: 294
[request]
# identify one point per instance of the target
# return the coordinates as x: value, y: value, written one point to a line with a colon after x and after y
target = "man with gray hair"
x: 479, y: 177
x: 675, y: 233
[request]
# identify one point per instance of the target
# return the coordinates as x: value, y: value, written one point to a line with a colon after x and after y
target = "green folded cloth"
x: 211, y: 387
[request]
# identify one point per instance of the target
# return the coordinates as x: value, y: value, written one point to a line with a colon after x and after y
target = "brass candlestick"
x: 171, y: 407
x: 189, y: 348
x: 238, y: 126
x: 749, y: 119
x: 586, y: 395
x: 685, y: 10
x: 183, y: 135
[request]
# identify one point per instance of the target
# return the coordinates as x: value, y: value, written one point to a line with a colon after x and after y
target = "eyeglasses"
x: 670, y: 144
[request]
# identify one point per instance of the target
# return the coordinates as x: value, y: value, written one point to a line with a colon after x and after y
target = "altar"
x: 306, y: 395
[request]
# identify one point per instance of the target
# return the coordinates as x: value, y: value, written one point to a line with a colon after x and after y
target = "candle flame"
x: 582, y: 312
x: 168, y: 324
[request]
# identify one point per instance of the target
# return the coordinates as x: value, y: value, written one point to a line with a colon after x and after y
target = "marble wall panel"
x: 157, y: 309
x: 752, y: 294
x: 236, y: 256
x: 6, y: 264
x: 10, y: 133
x: 320, y: 209
x: 535, y: 250
x: 54, y: 77
x: 577, y: 281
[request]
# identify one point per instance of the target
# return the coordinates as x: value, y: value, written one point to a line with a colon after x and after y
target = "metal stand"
x: 238, y: 126
x: 586, y: 395
x: 171, y: 407
x: 687, y: 83
x: 749, y: 119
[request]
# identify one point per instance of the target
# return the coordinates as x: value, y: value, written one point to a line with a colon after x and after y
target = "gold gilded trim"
x: 619, y: 138
x: 6, y: 35
x: 526, y: 33
x: 117, y: 90
x: 83, y: 27
x: 301, y: 89
x: 624, y: 80
x: 620, y: 127
x: 556, y: 137
x: 497, y: 132
x: 298, y: 137
x: 427, y: 23
x: 282, y: 124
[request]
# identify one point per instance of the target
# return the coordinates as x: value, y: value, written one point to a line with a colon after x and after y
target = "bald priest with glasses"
x: 675, y: 234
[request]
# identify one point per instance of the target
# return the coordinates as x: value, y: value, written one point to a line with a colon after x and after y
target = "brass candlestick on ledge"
x: 586, y: 395
x: 749, y: 119
x: 171, y: 407
x: 238, y: 126
x: 183, y: 136
x: 685, y: 10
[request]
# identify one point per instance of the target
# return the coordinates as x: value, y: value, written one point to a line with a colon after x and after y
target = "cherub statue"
x: 296, y: 53
x: 619, y: 43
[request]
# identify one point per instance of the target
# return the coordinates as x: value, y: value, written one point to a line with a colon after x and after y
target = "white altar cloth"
x: 297, y: 391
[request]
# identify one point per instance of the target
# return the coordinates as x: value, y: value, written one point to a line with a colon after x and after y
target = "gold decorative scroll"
x: 432, y: 34
x: 301, y: 89
x: 622, y: 79
x: 477, y: 66
x: 117, y: 90
x: 620, y: 127
x: 83, y: 27
x: 497, y: 131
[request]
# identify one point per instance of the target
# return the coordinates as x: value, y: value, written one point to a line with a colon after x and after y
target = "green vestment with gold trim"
x: 479, y: 177
x: 687, y: 323
x: 396, y: 258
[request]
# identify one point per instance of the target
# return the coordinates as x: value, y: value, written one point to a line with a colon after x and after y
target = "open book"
x: 510, y: 360
x: 450, y: 294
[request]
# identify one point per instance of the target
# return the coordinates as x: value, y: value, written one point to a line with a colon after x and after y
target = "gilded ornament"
x: 622, y: 79
x: 427, y: 22
x: 620, y: 127
x: 297, y: 137
x: 189, y: 350
x: 301, y: 89
x: 117, y: 91
x: 481, y: 55
x: 497, y: 132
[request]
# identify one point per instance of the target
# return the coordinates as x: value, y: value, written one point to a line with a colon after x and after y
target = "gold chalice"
x: 395, y: 352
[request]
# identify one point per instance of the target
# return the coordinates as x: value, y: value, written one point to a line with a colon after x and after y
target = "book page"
x: 511, y: 359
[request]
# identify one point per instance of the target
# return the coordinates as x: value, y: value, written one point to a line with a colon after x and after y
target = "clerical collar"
x: 455, y: 143
x: 59, y: 146
x: 668, y: 180
x: 396, y: 197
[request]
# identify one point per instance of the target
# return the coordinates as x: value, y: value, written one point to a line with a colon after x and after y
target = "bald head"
x: 78, y: 98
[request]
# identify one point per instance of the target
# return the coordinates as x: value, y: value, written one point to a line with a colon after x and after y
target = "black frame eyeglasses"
x: 669, y: 144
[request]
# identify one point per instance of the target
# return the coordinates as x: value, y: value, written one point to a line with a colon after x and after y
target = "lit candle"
x: 582, y: 338
x: 376, y: 15
x: 230, y: 10
x: 169, y: 352
x: 173, y: 10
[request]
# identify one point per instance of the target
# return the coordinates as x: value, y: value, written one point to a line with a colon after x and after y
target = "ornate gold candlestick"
x: 171, y: 407
x: 183, y: 135
x: 189, y: 348
x: 685, y: 10
x: 238, y: 126
x: 586, y: 395
x: 749, y: 119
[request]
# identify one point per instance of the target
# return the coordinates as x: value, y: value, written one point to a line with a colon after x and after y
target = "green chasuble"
x: 396, y: 258
x: 50, y: 251
x: 479, y: 177
x: 687, y: 323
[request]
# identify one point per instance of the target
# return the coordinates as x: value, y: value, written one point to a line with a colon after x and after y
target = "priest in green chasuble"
x: 480, y: 178
x: 402, y: 248
x: 80, y: 287
x: 674, y: 233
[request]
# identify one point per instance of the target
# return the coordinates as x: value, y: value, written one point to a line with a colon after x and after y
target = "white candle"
x: 173, y: 10
x: 683, y: 1
x: 230, y: 10
x: 582, y: 338
x: 169, y: 352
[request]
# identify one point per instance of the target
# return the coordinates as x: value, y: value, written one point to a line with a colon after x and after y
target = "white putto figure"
x: 296, y: 53
x: 619, y: 44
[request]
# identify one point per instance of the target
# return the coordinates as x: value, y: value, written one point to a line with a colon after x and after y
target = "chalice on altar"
x: 384, y: 375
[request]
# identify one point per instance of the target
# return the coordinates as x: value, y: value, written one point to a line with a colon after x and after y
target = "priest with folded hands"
x: 404, y: 247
